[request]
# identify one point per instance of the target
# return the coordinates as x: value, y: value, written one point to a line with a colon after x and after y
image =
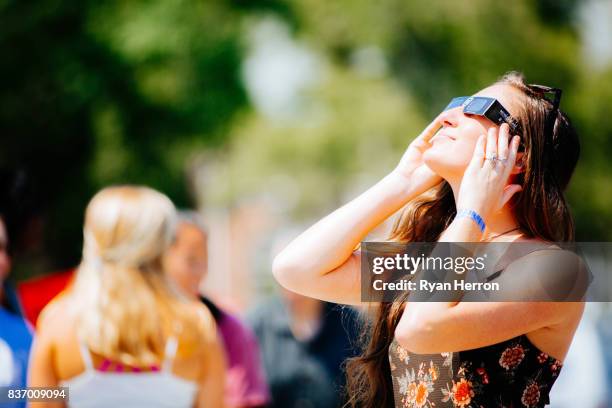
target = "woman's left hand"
x: 484, y: 186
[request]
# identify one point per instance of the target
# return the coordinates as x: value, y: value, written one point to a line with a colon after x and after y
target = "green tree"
x: 434, y: 50
x: 95, y: 93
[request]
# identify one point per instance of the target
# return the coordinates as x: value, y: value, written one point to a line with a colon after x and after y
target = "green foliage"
x: 98, y: 93
x: 95, y: 93
x: 351, y: 134
x: 436, y: 50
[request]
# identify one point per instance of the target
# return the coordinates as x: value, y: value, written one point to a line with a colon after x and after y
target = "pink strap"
x: 169, y: 353
x: 119, y: 368
x: 105, y: 364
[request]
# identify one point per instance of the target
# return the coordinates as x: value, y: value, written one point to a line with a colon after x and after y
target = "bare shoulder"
x: 205, y: 318
x: 558, y: 278
x: 197, y: 329
x: 552, y: 273
x: 56, y: 318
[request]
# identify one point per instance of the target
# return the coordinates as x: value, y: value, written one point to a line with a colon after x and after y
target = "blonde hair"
x: 125, y: 307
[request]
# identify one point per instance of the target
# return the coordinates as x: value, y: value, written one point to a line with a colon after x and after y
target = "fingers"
x: 431, y: 130
x: 479, y: 152
x: 491, y: 148
x: 502, y: 141
x: 512, y: 154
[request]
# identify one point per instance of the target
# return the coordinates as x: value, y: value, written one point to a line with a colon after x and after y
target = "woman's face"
x: 453, y: 145
x: 186, y: 261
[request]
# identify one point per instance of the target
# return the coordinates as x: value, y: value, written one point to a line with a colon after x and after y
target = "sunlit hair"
x: 124, y: 305
x: 540, y: 209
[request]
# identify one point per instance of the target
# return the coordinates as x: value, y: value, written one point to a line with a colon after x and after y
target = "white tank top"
x: 97, y: 389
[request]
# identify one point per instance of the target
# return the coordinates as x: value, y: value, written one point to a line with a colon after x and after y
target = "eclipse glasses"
x: 493, y: 110
x: 489, y: 108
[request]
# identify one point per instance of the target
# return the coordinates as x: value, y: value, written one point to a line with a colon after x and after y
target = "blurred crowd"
x: 135, y: 305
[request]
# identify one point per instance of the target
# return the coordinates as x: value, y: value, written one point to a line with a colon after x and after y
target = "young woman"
x: 465, y: 178
x: 186, y: 263
x: 122, y: 337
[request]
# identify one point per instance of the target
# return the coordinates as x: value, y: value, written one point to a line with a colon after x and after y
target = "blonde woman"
x: 122, y: 336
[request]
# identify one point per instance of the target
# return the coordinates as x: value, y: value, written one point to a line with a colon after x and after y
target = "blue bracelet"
x: 473, y: 215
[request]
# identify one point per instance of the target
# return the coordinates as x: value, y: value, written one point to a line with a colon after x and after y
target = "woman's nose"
x: 450, y: 117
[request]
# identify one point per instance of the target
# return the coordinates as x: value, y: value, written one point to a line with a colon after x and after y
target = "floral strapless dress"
x: 510, y: 374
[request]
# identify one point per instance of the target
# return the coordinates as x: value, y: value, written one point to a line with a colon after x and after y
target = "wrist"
x: 472, y: 215
x: 474, y: 204
x: 401, y: 184
x: 462, y: 229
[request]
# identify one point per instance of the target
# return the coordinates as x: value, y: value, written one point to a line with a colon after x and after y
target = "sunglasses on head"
x: 541, y: 91
x: 489, y: 108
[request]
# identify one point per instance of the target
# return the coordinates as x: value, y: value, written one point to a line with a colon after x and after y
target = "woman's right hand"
x: 411, y: 167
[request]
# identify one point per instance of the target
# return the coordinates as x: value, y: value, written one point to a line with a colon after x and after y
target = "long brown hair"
x: 549, y: 159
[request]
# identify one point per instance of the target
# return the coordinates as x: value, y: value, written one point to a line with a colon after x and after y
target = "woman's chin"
x: 435, y: 160
x: 443, y: 164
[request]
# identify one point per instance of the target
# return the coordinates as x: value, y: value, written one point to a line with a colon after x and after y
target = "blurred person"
x: 186, y: 263
x: 6, y: 299
x: 17, y: 210
x: 15, y: 332
x: 122, y: 336
x: 471, y: 176
x: 305, y: 343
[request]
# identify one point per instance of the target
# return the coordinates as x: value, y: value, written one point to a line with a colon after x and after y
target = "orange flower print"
x: 415, y: 389
x: 531, y: 395
x: 421, y: 395
x: 462, y: 393
x: 411, y: 394
x: 511, y: 357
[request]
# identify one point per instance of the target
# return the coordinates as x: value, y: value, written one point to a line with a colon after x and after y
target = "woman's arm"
x: 321, y: 262
x: 436, y: 327
x: 211, y: 393
x: 41, y: 371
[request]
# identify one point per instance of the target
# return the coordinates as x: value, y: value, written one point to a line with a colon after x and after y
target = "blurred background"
x: 264, y: 115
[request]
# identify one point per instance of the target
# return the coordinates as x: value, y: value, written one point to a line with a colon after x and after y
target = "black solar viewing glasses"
x: 493, y: 110
x: 489, y: 108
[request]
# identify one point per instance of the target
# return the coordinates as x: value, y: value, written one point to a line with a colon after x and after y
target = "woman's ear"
x: 519, y: 164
